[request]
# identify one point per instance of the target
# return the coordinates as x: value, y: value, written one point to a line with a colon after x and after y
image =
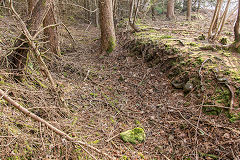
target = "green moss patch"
x: 134, y: 136
x: 111, y: 45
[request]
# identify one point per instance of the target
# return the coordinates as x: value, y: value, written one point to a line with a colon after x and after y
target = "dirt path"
x: 111, y: 94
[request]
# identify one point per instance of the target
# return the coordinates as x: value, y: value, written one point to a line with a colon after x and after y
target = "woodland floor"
x: 107, y: 95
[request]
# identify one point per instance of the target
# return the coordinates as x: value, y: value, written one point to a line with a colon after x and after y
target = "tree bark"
x: 236, y: 26
x: 52, y: 32
x: 19, y: 57
x: 108, y: 38
x: 170, y: 10
x: 189, y: 10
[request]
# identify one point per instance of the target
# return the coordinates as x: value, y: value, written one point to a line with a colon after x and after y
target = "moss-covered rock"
x: 136, y: 135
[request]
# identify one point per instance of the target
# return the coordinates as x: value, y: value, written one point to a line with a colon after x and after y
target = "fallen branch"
x: 54, y: 25
x: 231, y: 91
x: 232, y: 97
x: 54, y: 129
x: 219, y: 126
x: 33, y: 46
x: 69, y: 33
x: 200, y: 70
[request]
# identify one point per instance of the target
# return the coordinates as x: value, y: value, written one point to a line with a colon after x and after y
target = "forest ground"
x: 108, y: 94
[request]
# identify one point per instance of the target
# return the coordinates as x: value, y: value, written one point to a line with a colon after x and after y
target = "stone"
x: 188, y: 86
x: 177, y: 84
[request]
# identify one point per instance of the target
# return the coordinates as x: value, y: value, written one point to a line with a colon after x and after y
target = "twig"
x: 189, y: 121
x: 88, y: 153
x: 214, y: 106
x: 193, y: 124
x: 232, y: 97
x: 69, y: 32
x: 220, y: 126
x: 40, y: 130
x: 51, y: 127
x: 54, y: 25
x: 8, y: 143
x: 38, y: 32
x: 200, y: 114
x: 232, y: 94
x: 81, y: 7
x: 112, y: 138
x: 231, y: 141
x: 199, y: 72
x: 86, y: 76
x: 165, y: 156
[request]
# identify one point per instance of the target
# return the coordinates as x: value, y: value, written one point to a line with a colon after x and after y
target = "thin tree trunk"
x: 19, y: 57
x: 199, y: 5
x: 97, y: 14
x: 108, y: 38
x: 52, y: 32
x: 236, y: 26
x: 87, y: 13
x: 31, y: 4
x: 170, y: 10
x: 214, y: 19
x: 216, y: 27
x: 133, y: 15
x: 222, y: 22
x: 136, y: 11
x: 145, y: 7
x: 153, y: 9
x: 153, y: 12
x: 131, y: 10
x: 115, y: 16
x: 189, y: 10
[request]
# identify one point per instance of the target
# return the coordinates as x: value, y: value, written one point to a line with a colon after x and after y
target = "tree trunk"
x: 153, y: 12
x: 170, y: 10
x: 133, y: 15
x: 217, y: 25
x: 153, y: 9
x: 19, y: 57
x: 97, y: 14
x: 184, y: 8
x: 189, y: 10
x: 31, y: 4
x: 236, y: 26
x: 52, y: 32
x: 87, y: 13
x: 108, y: 39
x: 146, y: 7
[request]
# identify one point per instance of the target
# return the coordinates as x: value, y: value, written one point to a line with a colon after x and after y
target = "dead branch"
x: 200, y: 70
x: 33, y: 45
x: 54, y: 25
x: 232, y: 97
x: 231, y: 91
x: 76, y: 5
x: 54, y: 129
x: 69, y: 33
x: 219, y: 126
x: 38, y: 32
